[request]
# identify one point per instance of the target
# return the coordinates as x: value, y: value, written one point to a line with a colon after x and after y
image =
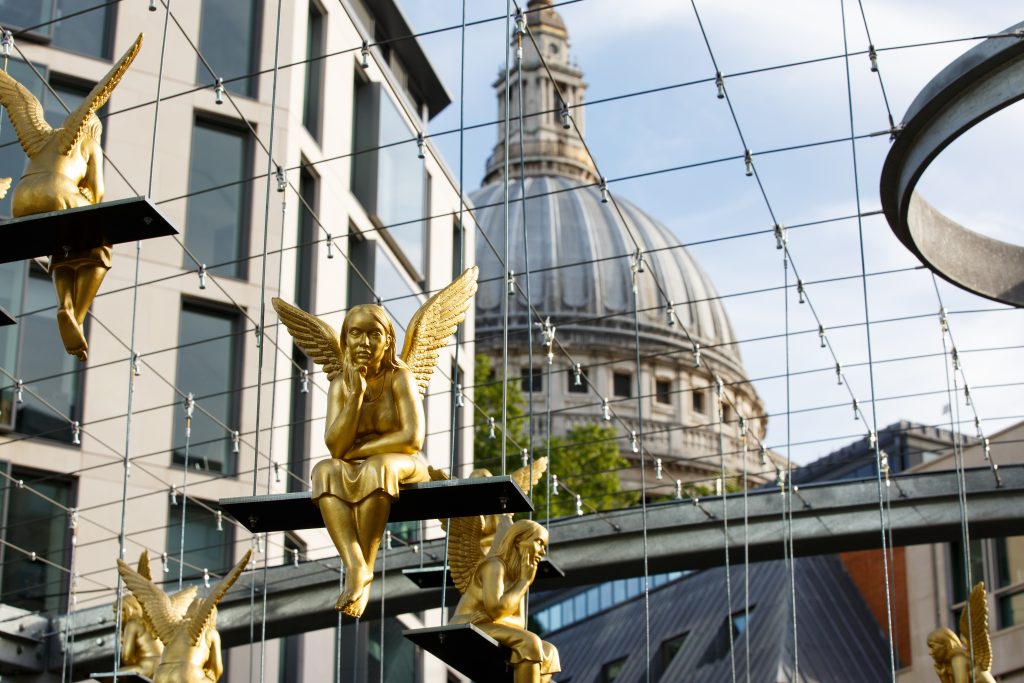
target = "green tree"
x: 487, y: 396
x: 586, y: 459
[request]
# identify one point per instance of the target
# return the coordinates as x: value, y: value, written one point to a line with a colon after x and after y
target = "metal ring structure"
x: 979, y: 83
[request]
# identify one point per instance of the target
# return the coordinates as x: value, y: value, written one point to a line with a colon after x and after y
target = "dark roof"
x: 839, y: 640
x: 906, y: 444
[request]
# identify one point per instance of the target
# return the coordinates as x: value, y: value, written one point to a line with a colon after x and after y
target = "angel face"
x: 366, y: 339
x: 534, y: 545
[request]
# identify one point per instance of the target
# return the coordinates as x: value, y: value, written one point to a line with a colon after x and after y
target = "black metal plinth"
x: 87, y: 227
x: 121, y: 678
x: 430, y: 577
x: 466, y: 649
x: 6, y: 318
x: 429, y: 500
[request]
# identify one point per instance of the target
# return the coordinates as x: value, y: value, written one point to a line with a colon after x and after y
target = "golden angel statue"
x: 953, y: 655
x: 494, y: 587
x: 65, y: 170
x: 375, y: 425
x: 493, y: 525
x: 192, y: 651
x: 141, y: 648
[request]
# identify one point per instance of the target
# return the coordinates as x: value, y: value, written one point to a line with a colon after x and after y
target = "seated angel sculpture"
x: 953, y: 656
x: 65, y: 171
x: 141, y: 647
x: 375, y: 424
x: 192, y: 650
x: 494, y: 588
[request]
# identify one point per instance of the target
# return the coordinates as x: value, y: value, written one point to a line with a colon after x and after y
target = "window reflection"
x: 205, y: 546
x: 207, y: 368
x: 228, y: 39
x: 388, y: 178
x: 215, y: 220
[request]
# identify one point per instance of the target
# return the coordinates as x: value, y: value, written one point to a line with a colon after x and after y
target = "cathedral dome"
x: 580, y: 262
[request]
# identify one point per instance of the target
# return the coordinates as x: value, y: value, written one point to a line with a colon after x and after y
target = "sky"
x: 624, y: 48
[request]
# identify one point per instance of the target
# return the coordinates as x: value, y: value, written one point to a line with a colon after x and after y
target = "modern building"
x: 581, y: 258
x: 366, y: 214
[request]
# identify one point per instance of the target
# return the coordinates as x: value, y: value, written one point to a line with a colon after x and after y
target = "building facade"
x: 366, y: 214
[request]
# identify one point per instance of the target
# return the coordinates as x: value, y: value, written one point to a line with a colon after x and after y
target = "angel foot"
x: 357, y: 606
x: 71, y: 335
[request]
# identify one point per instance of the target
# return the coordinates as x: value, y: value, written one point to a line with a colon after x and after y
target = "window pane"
x: 1010, y: 560
x: 314, y: 71
x: 12, y: 279
x: 1011, y: 610
x: 22, y: 14
x: 214, y: 224
x: 36, y: 525
x: 532, y: 382
x: 205, y: 547
x: 956, y: 556
x: 663, y: 391
x: 388, y: 178
x: 85, y: 33
x: 207, y: 369
x: 227, y: 38
x: 43, y: 355
x: 12, y: 157
x: 622, y: 384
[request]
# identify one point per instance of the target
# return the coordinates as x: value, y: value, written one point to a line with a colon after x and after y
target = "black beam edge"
x: 82, y: 228
x: 466, y: 649
x: 6, y: 318
x: 429, y: 500
x: 123, y: 677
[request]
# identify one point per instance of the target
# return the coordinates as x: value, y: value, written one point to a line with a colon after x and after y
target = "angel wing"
x: 182, y: 599
x: 464, y: 553
x: 74, y: 125
x: 199, y: 620
x: 155, y: 603
x: 974, y: 633
x: 315, y: 337
x: 436, y: 320
x: 523, y: 478
x: 143, y: 567
x: 26, y: 114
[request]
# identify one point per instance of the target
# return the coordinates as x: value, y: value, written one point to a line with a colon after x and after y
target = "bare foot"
x: 356, y: 581
x: 71, y: 335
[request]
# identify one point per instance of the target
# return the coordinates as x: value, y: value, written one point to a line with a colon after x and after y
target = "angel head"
x: 368, y: 337
x: 524, y: 542
x: 130, y: 609
x: 943, y: 644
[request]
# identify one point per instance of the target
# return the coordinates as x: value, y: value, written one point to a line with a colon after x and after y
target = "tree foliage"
x: 586, y: 459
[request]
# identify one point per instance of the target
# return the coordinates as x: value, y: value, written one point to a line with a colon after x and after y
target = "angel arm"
x: 214, y: 666
x: 502, y: 595
x: 91, y: 184
x: 408, y: 438
x: 343, y: 406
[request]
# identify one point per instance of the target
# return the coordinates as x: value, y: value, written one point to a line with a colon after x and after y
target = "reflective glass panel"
x: 205, y: 547
x: 214, y: 224
x: 207, y: 368
x: 228, y: 39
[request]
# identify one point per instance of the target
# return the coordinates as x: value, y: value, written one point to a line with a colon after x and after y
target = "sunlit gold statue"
x: 494, y: 588
x: 140, y: 646
x: 952, y: 655
x: 493, y: 525
x: 192, y: 651
x: 65, y: 170
x: 375, y: 426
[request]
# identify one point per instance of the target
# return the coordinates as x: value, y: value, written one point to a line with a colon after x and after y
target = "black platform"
x: 6, y: 318
x: 121, y: 678
x: 44, y: 234
x: 466, y: 649
x: 430, y: 577
x: 429, y: 500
